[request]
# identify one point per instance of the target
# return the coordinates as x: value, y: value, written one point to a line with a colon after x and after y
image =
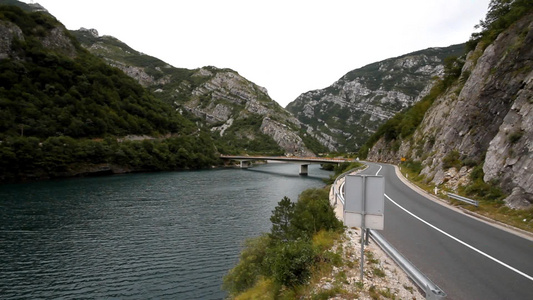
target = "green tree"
x: 501, y: 14
x: 281, y: 220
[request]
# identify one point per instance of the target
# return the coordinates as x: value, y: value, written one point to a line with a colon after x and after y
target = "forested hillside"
x: 240, y: 114
x: 63, y: 111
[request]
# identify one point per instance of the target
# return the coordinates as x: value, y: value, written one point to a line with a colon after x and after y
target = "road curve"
x: 466, y: 258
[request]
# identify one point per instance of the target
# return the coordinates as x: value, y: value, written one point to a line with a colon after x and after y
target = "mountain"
x: 240, y: 114
x: 64, y: 111
x: 343, y: 115
x: 475, y: 133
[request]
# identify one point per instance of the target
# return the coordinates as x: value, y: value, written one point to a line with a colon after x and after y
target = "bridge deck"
x: 316, y: 160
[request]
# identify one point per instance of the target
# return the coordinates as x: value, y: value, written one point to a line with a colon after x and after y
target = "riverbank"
x: 29, y: 158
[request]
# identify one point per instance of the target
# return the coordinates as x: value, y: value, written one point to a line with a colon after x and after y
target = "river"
x: 170, y: 235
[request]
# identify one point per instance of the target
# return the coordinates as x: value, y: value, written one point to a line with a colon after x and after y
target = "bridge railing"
x: 285, y: 158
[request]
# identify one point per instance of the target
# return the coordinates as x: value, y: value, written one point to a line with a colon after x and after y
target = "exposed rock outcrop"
x: 486, y: 118
x: 55, y: 39
x: 8, y: 32
x: 58, y: 41
x: 220, y: 98
x: 288, y: 140
x: 343, y: 115
x: 225, y: 97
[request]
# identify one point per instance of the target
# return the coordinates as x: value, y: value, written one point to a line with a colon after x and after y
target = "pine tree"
x: 281, y: 219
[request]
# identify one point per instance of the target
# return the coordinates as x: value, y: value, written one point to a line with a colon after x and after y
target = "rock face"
x: 484, y: 119
x: 58, y: 41
x: 343, y: 115
x: 54, y: 39
x: 221, y: 99
x: 119, y: 55
x: 288, y: 140
x: 224, y: 97
x: 8, y: 32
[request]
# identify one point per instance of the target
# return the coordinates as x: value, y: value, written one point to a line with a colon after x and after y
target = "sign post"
x: 364, y: 205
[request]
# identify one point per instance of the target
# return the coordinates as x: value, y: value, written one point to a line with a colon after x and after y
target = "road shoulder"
x: 497, y: 224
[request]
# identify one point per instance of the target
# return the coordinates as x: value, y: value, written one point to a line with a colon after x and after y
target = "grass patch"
x: 522, y: 219
x: 264, y: 289
x: 378, y: 272
x: 370, y: 258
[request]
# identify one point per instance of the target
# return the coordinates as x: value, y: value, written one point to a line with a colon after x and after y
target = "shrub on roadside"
x: 284, y: 259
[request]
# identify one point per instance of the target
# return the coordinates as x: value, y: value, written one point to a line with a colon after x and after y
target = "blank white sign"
x: 368, y: 190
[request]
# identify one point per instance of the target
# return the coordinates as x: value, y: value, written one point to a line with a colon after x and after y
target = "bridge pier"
x: 245, y: 164
x: 304, y: 169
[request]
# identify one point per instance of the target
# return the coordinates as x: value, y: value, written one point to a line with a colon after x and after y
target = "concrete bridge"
x: 246, y: 161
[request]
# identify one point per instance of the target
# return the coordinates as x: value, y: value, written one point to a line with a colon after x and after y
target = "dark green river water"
x: 140, y: 236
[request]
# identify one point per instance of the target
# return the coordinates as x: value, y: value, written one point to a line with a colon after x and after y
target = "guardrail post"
x: 434, y: 294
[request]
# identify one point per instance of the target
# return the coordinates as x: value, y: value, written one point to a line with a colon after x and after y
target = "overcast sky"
x: 287, y: 46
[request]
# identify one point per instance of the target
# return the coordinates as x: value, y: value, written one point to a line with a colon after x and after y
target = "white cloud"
x: 288, y: 46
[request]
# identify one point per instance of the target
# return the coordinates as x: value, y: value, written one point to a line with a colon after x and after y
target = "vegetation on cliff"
x: 501, y: 14
x: 55, y: 94
x: 344, y: 115
x: 404, y: 124
x: 219, y: 100
x: 470, y: 135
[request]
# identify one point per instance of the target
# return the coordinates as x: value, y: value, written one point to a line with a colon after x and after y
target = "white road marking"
x: 380, y: 167
x: 460, y: 241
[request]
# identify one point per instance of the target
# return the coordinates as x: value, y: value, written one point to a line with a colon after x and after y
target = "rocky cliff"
x: 239, y: 112
x: 484, y: 119
x: 343, y: 115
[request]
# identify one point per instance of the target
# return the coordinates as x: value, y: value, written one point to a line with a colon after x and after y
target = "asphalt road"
x: 466, y: 258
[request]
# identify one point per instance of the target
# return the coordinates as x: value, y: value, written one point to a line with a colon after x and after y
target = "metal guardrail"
x: 433, y: 292
x: 464, y: 199
x: 338, y: 195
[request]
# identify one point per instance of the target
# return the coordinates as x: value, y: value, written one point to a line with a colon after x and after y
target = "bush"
x: 291, y: 262
x: 250, y: 268
x: 313, y: 213
x: 515, y: 137
x: 414, y: 166
x: 342, y: 168
x: 264, y: 289
x: 301, y: 233
x: 481, y: 189
x: 451, y: 160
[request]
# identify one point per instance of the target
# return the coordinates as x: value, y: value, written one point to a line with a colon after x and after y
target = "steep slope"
x: 478, y: 134
x: 64, y: 111
x: 240, y: 113
x: 343, y: 115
